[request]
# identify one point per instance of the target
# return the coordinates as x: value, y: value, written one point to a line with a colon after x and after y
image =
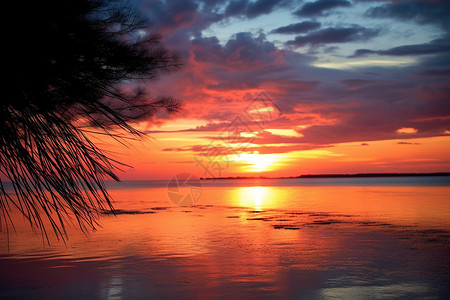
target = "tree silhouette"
x: 73, y: 66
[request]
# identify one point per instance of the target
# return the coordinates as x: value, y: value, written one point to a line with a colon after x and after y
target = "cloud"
x: 226, y: 152
x: 260, y: 7
x: 435, y: 65
x: 423, y: 12
x: 235, y: 8
x: 408, y: 143
x: 355, y: 84
x: 301, y: 27
x: 437, y: 46
x: 210, y: 127
x: 325, y: 106
x: 242, y: 52
x: 173, y: 14
x: 204, y: 150
x: 319, y: 7
x: 406, y: 130
x: 436, y: 73
x: 251, y: 9
x: 335, y: 35
x: 375, y: 109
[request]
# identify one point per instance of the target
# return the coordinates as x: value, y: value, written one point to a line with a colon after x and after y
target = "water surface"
x: 331, y: 238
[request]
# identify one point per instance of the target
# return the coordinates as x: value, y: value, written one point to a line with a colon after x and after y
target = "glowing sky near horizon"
x: 353, y: 86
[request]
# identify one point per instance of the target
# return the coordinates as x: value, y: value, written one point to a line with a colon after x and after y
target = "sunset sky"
x: 283, y: 88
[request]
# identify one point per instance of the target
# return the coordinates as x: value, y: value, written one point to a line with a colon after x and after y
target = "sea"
x: 295, y: 238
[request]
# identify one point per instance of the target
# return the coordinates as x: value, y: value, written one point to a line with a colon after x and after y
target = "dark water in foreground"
x: 354, y: 238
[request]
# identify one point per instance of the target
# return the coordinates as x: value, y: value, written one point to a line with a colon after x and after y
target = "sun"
x: 256, y: 162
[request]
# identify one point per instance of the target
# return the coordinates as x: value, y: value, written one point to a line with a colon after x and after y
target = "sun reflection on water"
x: 257, y: 197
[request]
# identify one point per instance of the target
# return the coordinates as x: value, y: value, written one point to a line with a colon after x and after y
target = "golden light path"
x: 256, y: 197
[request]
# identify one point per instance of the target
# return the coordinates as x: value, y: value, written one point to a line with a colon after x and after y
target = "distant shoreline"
x: 357, y: 175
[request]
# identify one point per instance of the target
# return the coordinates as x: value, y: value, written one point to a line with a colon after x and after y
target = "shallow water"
x: 245, y: 239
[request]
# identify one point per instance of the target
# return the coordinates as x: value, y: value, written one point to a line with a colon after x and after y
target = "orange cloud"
x: 406, y: 130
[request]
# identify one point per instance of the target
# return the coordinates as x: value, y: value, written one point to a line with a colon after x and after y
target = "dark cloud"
x: 437, y: 46
x: 170, y: 14
x: 247, y: 60
x: 320, y: 6
x: 207, y: 49
x: 235, y: 8
x: 243, y: 52
x: 357, y: 83
x: 436, y: 73
x: 436, y: 61
x: 434, y: 66
x: 422, y: 12
x: 408, y: 143
x: 335, y: 35
x: 260, y: 7
x: 301, y: 27
x: 211, y: 5
x: 249, y: 51
x: 252, y: 9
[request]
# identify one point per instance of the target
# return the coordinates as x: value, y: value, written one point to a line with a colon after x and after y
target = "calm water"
x: 360, y: 238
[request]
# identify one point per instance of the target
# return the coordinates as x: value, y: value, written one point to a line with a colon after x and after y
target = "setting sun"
x: 256, y: 162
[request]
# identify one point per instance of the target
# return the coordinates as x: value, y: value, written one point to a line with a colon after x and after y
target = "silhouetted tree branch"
x: 70, y: 66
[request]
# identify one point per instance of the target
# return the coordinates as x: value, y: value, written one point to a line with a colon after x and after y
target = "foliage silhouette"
x: 74, y: 65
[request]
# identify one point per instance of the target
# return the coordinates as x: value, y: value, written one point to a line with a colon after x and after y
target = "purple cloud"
x: 301, y: 27
x: 319, y: 7
x: 436, y: 46
x: 423, y: 12
x: 335, y: 106
x: 260, y: 7
x: 335, y: 35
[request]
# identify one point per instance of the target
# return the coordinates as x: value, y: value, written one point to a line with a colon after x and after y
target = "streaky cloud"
x: 334, y: 35
x: 437, y: 46
x: 301, y: 27
x: 251, y: 9
x: 320, y: 6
